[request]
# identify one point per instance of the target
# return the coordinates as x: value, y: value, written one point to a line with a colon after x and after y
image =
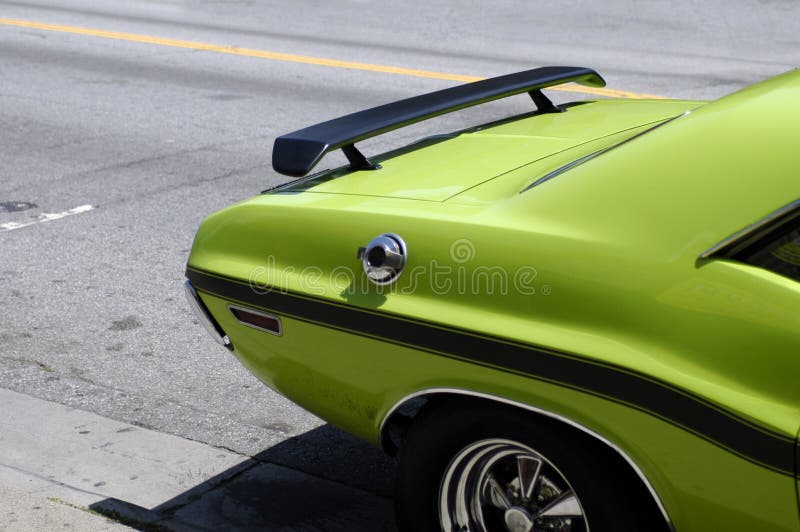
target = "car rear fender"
x: 403, y: 411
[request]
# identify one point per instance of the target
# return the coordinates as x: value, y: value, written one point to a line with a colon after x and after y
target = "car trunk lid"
x: 450, y: 165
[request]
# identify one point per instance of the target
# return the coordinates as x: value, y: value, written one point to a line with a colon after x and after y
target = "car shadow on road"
x: 322, y: 480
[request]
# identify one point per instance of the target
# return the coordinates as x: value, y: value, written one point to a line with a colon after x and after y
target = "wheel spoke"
x: 528, y: 469
x: 566, y: 506
x: 494, y: 493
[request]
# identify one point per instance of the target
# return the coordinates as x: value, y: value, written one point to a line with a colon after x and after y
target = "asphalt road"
x: 135, y: 141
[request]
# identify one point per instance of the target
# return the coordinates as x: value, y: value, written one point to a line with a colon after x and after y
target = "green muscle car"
x: 586, y: 317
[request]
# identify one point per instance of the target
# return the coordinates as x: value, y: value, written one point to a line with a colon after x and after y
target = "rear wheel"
x: 499, y: 484
x: 473, y: 466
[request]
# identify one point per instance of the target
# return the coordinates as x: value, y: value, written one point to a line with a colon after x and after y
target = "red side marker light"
x: 257, y: 320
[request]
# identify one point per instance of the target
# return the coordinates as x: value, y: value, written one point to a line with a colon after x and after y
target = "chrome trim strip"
x: 275, y: 317
x: 574, y: 424
x: 750, y: 230
x: 208, y: 323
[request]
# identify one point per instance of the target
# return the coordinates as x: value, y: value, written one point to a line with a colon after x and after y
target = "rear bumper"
x: 205, y: 318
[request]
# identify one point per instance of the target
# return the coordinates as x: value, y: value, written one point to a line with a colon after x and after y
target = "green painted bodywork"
x: 609, y: 251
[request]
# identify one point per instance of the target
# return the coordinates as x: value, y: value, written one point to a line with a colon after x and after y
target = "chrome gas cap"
x: 383, y: 258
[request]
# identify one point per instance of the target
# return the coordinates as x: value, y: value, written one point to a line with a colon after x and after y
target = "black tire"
x: 611, y: 497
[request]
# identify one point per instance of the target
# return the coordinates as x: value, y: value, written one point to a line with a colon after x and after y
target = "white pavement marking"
x: 46, y: 217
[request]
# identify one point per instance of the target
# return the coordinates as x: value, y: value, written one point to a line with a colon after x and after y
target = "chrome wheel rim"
x: 499, y: 484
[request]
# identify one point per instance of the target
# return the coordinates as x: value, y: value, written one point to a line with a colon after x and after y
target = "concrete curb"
x: 56, y: 460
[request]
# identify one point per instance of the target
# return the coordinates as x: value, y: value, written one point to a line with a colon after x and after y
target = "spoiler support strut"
x: 357, y: 159
x: 543, y: 103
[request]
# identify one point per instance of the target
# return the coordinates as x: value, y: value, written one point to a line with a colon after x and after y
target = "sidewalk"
x: 61, y: 468
x: 21, y: 511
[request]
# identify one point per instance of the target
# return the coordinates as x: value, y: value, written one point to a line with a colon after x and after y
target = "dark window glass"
x: 778, y: 251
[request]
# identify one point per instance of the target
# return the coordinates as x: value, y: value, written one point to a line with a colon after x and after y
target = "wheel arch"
x: 402, y: 413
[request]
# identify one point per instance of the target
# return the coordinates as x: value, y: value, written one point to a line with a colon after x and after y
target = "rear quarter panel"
x: 723, y: 332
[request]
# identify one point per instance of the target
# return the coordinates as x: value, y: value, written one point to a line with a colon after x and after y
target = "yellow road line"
x: 277, y: 56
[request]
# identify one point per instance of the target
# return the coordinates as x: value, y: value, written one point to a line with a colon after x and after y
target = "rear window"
x: 773, y: 244
x: 779, y: 253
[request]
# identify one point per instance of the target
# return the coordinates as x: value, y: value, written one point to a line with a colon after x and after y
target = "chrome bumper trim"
x: 205, y: 318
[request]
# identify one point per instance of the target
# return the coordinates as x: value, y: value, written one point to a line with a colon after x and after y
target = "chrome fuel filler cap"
x: 384, y: 258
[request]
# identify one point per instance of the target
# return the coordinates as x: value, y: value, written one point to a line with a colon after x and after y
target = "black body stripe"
x: 692, y: 413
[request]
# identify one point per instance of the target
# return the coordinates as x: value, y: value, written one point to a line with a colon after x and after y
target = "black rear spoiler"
x: 296, y: 153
